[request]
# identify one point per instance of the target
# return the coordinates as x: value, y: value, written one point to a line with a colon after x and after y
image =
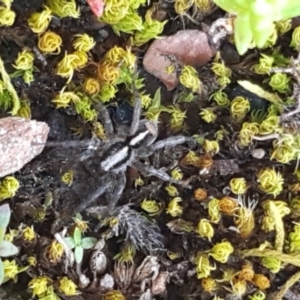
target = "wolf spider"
x: 107, y: 161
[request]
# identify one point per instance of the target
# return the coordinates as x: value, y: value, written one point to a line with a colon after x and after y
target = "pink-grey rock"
x: 186, y: 47
x: 17, y: 138
x: 159, y: 285
x: 107, y: 282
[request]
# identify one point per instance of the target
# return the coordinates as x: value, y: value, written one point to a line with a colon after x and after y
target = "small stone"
x: 258, y: 153
x: 98, y: 262
x: 159, y: 285
x: 186, y: 47
x: 17, y: 139
x: 84, y: 281
x: 107, y: 282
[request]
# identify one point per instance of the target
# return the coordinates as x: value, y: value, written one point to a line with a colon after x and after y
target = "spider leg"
x: 168, y: 142
x: 136, y: 112
x: 150, y: 171
x: 65, y: 216
x: 90, y: 143
x: 105, y: 119
x: 85, y: 154
x: 117, y: 191
x: 172, y: 141
x: 91, y: 198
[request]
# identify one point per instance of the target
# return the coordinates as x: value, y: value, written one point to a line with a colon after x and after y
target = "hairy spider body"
x: 117, y: 158
x: 119, y: 155
x: 107, y: 161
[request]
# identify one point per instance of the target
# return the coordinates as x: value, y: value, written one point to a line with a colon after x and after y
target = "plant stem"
x: 10, y: 88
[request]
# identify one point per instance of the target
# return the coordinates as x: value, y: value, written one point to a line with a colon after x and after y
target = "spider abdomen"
x: 117, y: 157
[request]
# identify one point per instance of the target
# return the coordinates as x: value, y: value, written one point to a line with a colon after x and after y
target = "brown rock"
x: 186, y: 47
x: 17, y: 136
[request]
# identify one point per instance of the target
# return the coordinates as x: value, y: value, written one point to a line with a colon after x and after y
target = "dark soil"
x: 42, y: 176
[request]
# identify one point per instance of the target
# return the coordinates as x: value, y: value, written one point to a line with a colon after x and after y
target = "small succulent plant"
x: 6, y: 248
x: 79, y: 244
x: 254, y: 22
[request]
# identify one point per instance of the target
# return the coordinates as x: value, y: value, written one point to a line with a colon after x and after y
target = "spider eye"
x: 123, y: 114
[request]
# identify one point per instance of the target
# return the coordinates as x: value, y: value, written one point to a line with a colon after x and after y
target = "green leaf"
x: 77, y: 236
x: 4, y: 215
x: 2, y: 234
x: 262, y: 29
x: 116, y: 30
x: 49, y: 294
x: 291, y: 10
x: 242, y: 34
x: 231, y: 6
x: 1, y: 272
x: 16, y: 74
x: 8, y: 249
x: 260, y: 92
x: 186, y: 96
x: 78, y: 254
x: 22, y: 269
x: 156, y: 99
x: 88, y: 242
x: 6, y: 100
x: 70, y: 242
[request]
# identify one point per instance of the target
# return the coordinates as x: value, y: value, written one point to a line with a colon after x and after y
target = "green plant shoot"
x: 254, y: 22
x: 6, y: 248
x: 79, y: 244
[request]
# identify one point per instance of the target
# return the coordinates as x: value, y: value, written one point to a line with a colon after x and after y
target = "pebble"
x: 186, y: 47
